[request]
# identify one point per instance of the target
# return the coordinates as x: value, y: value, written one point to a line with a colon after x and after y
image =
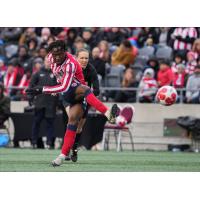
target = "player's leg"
x: 74, y: 156
x: 85, y: 92
x: 38, y: 116
x: 75, y: 113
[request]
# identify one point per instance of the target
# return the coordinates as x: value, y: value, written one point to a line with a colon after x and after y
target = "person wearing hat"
x: 147, y: 87
x: 165, y: 75
x: 193, y: 87
x: 152, y: 63
x: 4, y: 106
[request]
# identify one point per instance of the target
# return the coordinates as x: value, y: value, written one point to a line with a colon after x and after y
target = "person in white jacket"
x: 147, y: 87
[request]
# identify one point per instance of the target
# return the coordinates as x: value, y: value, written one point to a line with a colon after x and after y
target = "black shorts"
x: 68, y: 98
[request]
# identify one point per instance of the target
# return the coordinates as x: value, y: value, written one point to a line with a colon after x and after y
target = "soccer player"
x: 91, y: 79
x: 72, y: 87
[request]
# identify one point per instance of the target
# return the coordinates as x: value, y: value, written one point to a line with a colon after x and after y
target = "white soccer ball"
x: 121, y: 121
x: 166, y: 95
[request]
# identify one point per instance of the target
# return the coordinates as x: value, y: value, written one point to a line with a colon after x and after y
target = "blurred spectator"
x: 145, y: 34
x: 4, y: 106
x: 193, y: 87
x: 71, y: 36
x: 104, y: 50
x: 11, y: 78
x: 32, y: 47
x: 115, y: 36
x: 78, y: 44
x: 178, y: 59
x: 50, y: 39
x: 45, y: 33
x: 191, y: 63
x: 184, y: 38
x: 147, y: 87
x: 123, y: 55
x: 37, y: 64
x: 97, y: 62
x: 42, y: 52
x: 27, y: 35
x: 164, y: 37
x: 153, y: 64
x: 88, y: 38
x: 3, y: 69
x: 179, y: 76
x: 127, y: 82
x: 165, y: 75
x: 23, y: 84
x: 23, y: 58
x: 10, y: 35
x: 45, y: 104
x: 196, y: 48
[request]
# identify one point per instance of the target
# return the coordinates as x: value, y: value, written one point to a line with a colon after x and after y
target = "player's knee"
x: 73, y: 120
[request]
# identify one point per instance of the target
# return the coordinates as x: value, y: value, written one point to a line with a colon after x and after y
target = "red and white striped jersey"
x: 183, y: 33
x: 66, y: 74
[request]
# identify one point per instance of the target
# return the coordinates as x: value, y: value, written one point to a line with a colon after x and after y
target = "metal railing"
x: 103, y: 89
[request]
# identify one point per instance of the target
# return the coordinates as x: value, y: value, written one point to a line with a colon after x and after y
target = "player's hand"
x: 34, y: 91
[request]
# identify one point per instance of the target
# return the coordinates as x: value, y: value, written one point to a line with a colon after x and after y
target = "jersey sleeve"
x: 65, y: 83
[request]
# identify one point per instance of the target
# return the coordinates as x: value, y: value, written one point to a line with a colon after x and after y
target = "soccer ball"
x: 166, y: 95
x: 121, y: 121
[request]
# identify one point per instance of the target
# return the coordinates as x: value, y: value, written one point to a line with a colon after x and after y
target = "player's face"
x: 59, y: 56
x: 83, y: 58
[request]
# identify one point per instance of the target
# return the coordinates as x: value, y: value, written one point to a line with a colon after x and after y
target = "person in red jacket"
x: 165, y: 75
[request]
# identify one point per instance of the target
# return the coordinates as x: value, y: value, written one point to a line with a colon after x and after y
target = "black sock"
x: 76, y: 142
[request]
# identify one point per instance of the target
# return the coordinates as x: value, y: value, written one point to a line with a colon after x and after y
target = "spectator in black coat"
x: 98, y: 63
x: 45, y: 104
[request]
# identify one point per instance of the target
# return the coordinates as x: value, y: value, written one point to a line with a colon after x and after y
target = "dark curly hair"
x: 60, y: 44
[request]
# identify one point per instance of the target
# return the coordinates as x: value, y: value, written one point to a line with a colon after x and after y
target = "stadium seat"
x: 146, y: 51
x: 164, y: 52
x: 128, y: 113
x: 141, y: 60
x: 114, y: 77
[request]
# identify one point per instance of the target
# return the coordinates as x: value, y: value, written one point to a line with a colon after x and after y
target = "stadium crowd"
x: 141, y: 58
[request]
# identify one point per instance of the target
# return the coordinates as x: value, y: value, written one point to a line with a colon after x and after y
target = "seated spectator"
x: 165, y: 75
x: 97, y: 62
x: 147, y: 87
x: 27, y: 35
x: 37, y: 64
x: 32, y: 47
x: 127, y: 82
x: 104, y: 50
x: 78, y: 44
x: 178, y: 59
x: 45, y: 33
x: 193, y: 87
x: 191, y: 63
x: 23, y: 58
x: 42, y: 52
x: 145, y: 34
x: 4, y: 106
x: 196, y: 48
x: 10, y: 35
x: 123, y: 55
x: 163, y: 38
x: 184, y: 38
x: 88, y: 38
x: 11, y: 78
x: 179, y: 77
x: 71, y: 36
x: 152, y: 63
x: 115, y: 36
x: 3, y: 69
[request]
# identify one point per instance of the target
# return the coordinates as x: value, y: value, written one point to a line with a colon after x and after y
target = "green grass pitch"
x: 24, y: 160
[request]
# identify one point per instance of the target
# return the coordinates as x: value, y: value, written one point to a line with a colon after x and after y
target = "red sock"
x: 69, y: 139
x: 94, y: 102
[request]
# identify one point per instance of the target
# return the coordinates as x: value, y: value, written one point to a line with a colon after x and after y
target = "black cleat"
x: 67, y: 158
x: 74, y: 156
x: 114, y: 112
